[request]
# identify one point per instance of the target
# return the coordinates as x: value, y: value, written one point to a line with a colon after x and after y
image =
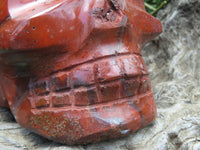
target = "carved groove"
x: 95, y: 60
x: 120, y: 100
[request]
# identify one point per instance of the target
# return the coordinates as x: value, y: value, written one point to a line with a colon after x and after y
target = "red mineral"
x: 72, y: 70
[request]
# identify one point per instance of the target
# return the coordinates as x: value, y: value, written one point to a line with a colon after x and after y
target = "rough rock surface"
x: 173, y: 61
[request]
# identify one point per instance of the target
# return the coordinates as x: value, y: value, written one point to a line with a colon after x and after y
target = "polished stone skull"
x: 72, y: 70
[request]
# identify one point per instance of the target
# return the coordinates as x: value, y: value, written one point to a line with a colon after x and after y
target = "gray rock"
x: 173, y: 61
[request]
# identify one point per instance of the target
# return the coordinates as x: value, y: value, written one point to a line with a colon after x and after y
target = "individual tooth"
x: 83, y: 76
x: 131, y: 66
x: 109, y: 92
x: 129, y: 87
x: 145, y: 85
x: 32, y: 101
x: 41, y: 88
x: 42, y: 102
x: 85, y: 97
x: 60, y: 82
x: 107, y: 71
x: 61, y: 100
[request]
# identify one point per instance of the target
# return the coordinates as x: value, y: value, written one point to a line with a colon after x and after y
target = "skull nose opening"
x: 109, y: 15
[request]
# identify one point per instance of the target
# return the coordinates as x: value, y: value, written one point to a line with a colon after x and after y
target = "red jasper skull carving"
x: 72, y: 71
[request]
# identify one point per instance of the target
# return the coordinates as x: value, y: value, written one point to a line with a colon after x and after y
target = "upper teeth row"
x: 86, y: 76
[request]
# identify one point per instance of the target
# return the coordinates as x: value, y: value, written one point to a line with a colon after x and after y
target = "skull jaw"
x: 90, y: 124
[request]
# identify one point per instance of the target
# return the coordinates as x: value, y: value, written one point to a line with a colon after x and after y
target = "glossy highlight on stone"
x: 72, y: 70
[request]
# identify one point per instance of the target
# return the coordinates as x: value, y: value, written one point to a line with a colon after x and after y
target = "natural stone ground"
x: 173, y: 60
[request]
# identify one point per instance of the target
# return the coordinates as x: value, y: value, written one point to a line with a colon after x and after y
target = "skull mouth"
x: 105, y: 98
x: 108, y: 79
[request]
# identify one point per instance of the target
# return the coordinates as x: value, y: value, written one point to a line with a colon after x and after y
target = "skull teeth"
x: 93, y: 83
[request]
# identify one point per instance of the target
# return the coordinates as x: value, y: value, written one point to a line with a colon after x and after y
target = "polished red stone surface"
x: 72, y: 70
